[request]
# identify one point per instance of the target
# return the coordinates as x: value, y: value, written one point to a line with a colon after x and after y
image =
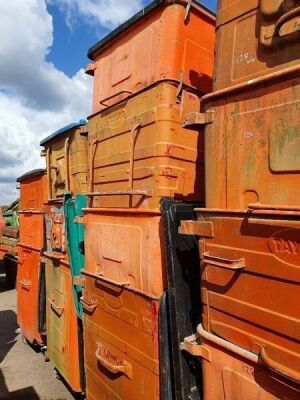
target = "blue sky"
x: 70, y: 44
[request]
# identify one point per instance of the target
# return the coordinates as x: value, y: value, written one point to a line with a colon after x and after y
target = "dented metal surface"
x: 28, y: 278
x: 63, y: 333
x: 164, y: 44
x: 158, y: 156
x: 251, y: 148
x: 66, y: 158
x: 61, y: 321
x: 255, y: 38
x: 237, y: 377
x: 33, y: 195
x: 121, y: 341
x: 128, y: 250
x: 251, y: 302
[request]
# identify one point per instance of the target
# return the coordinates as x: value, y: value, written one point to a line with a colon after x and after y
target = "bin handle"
x: 112, y: 281
x: 66, y: 148
x: 226, y: 263
x: 131, y: 161
x: 54, y: 256
x: 133, y: 138
x: 102, y: 102
x: 274, y: 37
x: 279, y: 368
x: 286, y: 18
x: 274, y: 222
x: 25, y: 283
x: 21, y: 260
x: 88, y: 306
x: 58, y: 310
x: 124, y: 368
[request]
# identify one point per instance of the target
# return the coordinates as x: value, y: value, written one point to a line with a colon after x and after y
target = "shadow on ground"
x: 8, y: 320
x: 23, y: 394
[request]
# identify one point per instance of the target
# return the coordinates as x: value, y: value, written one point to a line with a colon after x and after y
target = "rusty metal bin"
x: 251, y: 146
x: 238, y: 374
x: 28, y: 283
x: 250, y: 283
x: 56, y: 239
x: 32, y: 228
x: 33, y: 190
x: 66, y: 154
x: 252, y: 117
x: 121, y: 341
x: 139, y: 152
x: 63, y: 340
x: 164, y: 40
x: 255, y: 38
x: 33, y: 195
x: 125, y: 247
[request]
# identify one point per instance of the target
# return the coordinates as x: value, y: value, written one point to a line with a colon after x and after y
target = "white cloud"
x: 35, y: 97
x: 107, y: 13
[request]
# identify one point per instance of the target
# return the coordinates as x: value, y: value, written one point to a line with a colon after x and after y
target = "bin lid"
x: 137, y: 17
x: 62, y: 131
x: 31, y: 174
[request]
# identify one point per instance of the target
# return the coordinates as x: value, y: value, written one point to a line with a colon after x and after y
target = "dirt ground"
x: 24, y: 374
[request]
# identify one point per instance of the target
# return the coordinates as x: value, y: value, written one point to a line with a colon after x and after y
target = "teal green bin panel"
x: 75, y: 234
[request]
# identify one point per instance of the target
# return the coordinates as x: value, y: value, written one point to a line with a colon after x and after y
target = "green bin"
x: 73, y: 207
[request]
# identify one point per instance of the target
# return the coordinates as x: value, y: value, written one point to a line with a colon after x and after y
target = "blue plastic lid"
x: 62, y: 131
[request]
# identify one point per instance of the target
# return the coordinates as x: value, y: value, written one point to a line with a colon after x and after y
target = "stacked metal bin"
x: 249, y: 232
x: 31, y: 269
x: 138, y: 154
x: 66, y: 154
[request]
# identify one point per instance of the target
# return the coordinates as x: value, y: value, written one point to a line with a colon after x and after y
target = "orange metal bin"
x: 64, y: 336
x: 251, y: 282
x: 28, y: 281
x: 32, y: 228
x: 63, y: 346
x: 66, y: 154
x: 125, y: 247
x: 251, y: 146
x: 121, y: 341
x: 164, y: 40
x: 232, y: 373
x: 255, y: 38
x: 33, y: 190
x: 139, y: 152
x: 253, y: 116
x: 33, y: 194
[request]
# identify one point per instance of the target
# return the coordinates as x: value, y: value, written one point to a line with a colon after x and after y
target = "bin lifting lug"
x: 197, y: 228
x: 195, y: 120
x: 191, y: 345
